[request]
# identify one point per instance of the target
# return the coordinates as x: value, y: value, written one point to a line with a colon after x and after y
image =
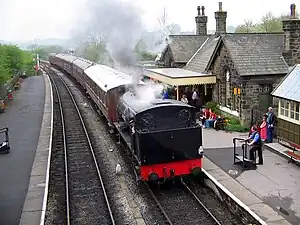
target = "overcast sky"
x: 24, y: 20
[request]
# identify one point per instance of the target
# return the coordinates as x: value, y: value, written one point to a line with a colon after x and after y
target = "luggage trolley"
x: 242, y: 158
x: 4, y: 146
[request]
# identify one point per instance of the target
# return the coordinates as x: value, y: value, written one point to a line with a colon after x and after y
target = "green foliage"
x: 13, y: 60
x: 213, y: 106
x: 44, y: 51
x: 269, y: 23
x: 236, y: 128
x: 142, y: 53
x: 233, y: 124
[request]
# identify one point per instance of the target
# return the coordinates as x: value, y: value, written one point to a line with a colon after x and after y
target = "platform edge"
x: 235, y: 199
x: 31, y: 215
x: 282, y: 154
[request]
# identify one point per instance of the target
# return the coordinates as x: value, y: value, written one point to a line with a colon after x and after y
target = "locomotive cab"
x: 165, y: 137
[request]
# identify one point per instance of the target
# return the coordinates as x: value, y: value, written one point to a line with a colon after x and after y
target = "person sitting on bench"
x: 256, y: 144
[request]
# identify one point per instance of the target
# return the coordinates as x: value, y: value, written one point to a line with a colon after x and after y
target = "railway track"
x: 189, y: 208
x: 77, y: 193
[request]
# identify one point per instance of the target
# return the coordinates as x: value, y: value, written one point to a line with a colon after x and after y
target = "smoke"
x: 119, y: 24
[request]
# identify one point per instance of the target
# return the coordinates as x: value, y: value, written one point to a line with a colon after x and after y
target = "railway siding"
x: 35, y: 203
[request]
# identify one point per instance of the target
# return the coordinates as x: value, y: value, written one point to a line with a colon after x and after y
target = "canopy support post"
x: 177, y: 92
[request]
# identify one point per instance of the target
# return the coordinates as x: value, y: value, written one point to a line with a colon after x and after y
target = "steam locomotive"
x: 162, y: 136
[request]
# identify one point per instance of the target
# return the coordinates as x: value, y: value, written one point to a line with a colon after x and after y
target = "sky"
x: 22, y: 20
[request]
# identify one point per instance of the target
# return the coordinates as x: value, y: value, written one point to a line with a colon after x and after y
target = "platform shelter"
x: 180, y: 77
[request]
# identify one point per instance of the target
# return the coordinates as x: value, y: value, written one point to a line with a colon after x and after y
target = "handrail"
x: 4, y: 129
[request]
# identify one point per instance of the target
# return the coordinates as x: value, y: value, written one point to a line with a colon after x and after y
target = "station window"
x: 289, y: 110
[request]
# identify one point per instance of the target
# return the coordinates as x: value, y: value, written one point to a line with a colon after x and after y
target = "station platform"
x: 23, y: 116
x: 271, y: 191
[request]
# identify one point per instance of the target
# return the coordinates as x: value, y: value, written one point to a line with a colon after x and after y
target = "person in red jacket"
x: 263, y: 128
x: 210, y: 121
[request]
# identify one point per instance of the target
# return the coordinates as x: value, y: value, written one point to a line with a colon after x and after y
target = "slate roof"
x: 289, y: 87
x: 256, y: 54
x: 183, y: 47
x: 201, y: 58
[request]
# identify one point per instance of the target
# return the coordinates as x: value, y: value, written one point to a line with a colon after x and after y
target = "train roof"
x: 68, y: 58
x: 108, y: 78
x: 138, y: 105
x: 82, y: 63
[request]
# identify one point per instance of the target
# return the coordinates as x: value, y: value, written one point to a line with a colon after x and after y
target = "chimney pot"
x: 220, y: 6
x: 202, y: 9
x: 293, y: 11
x: 198, y: 9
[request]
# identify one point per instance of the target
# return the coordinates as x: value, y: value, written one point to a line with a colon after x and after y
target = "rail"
x: 200, y: 203
x: 81, y: 190
x: 168, y: 220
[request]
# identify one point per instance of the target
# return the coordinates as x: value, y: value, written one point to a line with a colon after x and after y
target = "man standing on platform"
x: 270, y: 124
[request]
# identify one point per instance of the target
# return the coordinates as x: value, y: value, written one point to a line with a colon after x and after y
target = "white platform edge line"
x: 238, y: 201
x: 43, y: 214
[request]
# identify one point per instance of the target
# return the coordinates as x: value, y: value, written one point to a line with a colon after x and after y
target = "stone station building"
x: 246, y: 66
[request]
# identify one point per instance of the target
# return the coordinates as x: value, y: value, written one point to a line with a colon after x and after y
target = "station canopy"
x: 179, y: 77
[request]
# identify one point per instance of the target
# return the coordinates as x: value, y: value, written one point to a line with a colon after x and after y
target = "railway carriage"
x: 79, y: 66
x: 65, y: 62
x: 53, y: 60
x: 106, y: 85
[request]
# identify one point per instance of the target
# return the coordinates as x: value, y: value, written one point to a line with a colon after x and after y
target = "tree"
x: 142, y: 53
x: 268, y: 24
x: 13, y: 60
x: 44, y: 51
x: 248, y: 27
x: 93, y: 48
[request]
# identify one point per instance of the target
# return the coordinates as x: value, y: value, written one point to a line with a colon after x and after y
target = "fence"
x: 8, y: 86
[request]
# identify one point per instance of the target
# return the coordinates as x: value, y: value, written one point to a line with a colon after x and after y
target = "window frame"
x: 289, y: 110
x: 228, y: 94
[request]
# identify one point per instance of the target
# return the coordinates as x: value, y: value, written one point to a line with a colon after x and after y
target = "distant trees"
x: 269, y: 23
x: 44, y: 51
x: 167, y: 28
x: 12, y: 60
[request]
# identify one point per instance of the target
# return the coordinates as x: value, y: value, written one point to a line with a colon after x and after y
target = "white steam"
x: 119, y: 25
x: 148, y: 93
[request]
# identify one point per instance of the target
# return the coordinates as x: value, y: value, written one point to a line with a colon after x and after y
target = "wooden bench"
x: 294, y: 154
x: 294, y: 150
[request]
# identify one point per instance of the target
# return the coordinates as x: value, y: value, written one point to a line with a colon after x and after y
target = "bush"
x: 236, y: 128
x: 13, y: 60
x: 213, y: 106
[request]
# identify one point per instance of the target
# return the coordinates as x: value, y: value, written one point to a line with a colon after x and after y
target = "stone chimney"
x: 220, y: 20
x: 201, y: 21
x: 291, y: 28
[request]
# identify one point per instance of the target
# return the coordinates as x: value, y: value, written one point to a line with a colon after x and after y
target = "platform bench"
x: 294, y: 154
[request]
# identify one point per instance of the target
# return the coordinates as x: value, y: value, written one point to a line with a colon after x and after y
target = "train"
x: 162, y: 135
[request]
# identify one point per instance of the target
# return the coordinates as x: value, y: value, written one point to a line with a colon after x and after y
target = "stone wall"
x: 221, y: 64
x: 255, y: 88
x: 201, y: 25
x: 252, y: 88
x: 291, y: 29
